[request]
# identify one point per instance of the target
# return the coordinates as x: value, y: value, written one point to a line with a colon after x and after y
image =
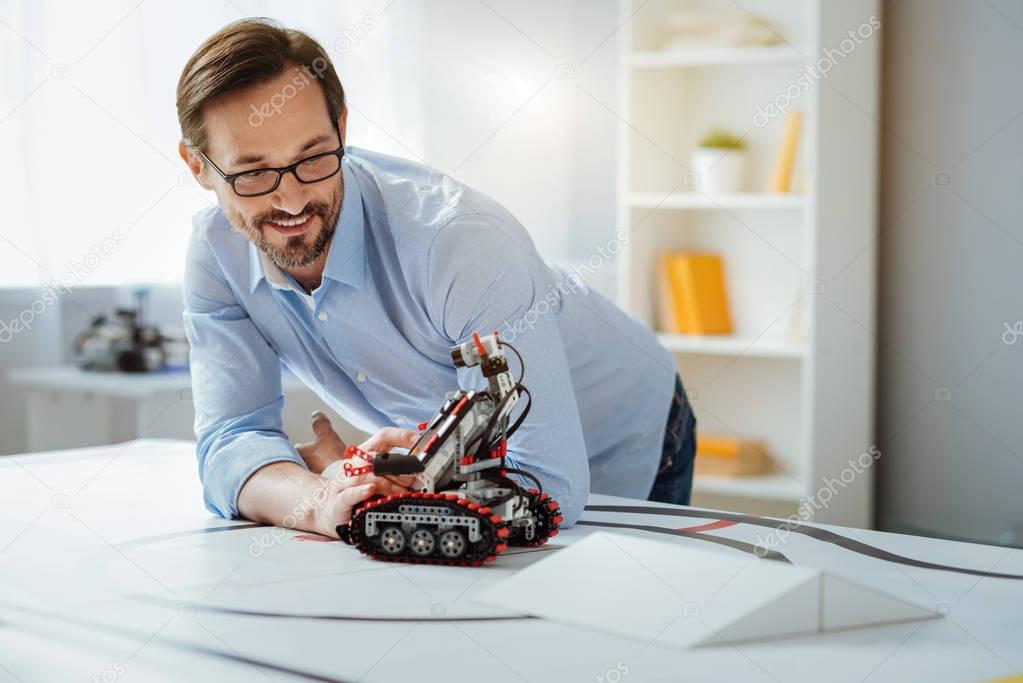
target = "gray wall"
x: 950, y: 420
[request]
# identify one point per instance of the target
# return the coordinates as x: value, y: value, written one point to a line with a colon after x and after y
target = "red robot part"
x: 351, y: 453
x: 548, y: 517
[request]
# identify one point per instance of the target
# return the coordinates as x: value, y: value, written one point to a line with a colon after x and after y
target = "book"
x: 781, y: 178
x: 693, y: 297
x: 730, y: 456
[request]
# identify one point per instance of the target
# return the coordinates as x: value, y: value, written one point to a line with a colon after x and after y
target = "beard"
x: 298, y: 251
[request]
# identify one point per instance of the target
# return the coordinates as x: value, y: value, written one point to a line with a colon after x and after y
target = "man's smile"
x: 297, y: 225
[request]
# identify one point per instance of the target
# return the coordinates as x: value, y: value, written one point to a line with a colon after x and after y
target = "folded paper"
x: 657, y: 592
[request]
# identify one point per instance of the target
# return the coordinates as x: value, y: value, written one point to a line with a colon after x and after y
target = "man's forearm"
x: 285, y: 494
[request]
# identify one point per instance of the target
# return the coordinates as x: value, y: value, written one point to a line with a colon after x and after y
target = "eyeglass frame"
x: 281, y: 171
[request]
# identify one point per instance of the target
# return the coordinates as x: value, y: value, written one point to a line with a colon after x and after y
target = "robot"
x: 123, y: 344
x: 463, y: 508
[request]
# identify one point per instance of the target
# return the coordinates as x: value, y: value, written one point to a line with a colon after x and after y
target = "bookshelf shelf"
x: 749, y: 347
x: 661, y: 59
x: 797, y: 375
x: 775, y: 487
x: 703, y: 201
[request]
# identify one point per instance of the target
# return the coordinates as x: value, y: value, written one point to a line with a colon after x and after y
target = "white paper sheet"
x: 653, y: 591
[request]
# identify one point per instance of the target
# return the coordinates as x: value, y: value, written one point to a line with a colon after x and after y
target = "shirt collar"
x: 346, y: 257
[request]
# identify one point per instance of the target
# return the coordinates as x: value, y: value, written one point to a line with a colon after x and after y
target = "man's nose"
x: 290, y: 195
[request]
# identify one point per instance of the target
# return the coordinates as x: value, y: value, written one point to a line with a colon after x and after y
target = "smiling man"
x: 358, y: 271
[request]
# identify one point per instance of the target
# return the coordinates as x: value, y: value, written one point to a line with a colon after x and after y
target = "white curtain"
x: 92, y: 189
x: 515, y: 97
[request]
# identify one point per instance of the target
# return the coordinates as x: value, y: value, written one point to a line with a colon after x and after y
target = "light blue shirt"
x: 417, y: 263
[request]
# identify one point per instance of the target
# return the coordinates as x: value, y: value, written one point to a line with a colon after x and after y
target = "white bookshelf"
x: 797, y: 374
x: 733, y: 345
x: 772, y: 487
x: 659, y: 59
x: 693, y: 200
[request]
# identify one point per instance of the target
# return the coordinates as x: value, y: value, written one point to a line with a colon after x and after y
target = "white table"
x: 68, y: 407
x: 110, y: 569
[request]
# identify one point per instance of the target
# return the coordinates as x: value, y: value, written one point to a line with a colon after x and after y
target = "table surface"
x: 70, y: 378
x: 111, y: 568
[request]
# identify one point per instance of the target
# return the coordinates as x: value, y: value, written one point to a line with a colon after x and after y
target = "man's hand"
x: 336, y: 497
x: 327, y: 446
x: 345, y: 493
x: 389, y: 437
x: 341, y: 496
x: 286, y: 494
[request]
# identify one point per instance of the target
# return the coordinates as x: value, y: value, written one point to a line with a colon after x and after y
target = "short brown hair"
x: 246, y: 53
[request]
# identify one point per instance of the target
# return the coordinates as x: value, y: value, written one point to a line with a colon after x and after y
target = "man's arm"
x: 247, y: 464
x: 285, y: 494
x: 485, y: 275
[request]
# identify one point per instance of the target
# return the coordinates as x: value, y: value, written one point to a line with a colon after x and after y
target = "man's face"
x: 295, y: 223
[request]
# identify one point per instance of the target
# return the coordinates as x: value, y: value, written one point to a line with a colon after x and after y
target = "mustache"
x: 315, y: 208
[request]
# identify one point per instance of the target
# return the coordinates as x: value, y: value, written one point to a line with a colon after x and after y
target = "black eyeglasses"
x: 265, y: 180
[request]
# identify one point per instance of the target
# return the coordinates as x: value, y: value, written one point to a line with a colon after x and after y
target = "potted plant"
x: 720, y: 162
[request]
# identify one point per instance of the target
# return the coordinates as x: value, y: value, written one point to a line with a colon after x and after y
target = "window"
x: 93, y: 191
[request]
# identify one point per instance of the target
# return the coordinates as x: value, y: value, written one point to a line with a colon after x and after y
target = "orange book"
x: 694, y: 299
x: 668, y: 319
x: 729, y: 456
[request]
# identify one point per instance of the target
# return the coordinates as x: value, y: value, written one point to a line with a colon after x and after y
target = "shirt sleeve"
x: 236, y: 385
x: 485, y: 275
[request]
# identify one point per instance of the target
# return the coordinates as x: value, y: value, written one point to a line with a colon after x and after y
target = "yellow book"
x: 667, y: 318
x: 781, y: 178
x: 697, y: 295
x: 719, y: 446
x: 730, y: 456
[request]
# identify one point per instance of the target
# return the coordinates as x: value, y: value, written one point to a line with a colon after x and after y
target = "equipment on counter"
x: 121, y: 344
x: 463, y: 508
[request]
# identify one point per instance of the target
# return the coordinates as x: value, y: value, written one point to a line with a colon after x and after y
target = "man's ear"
x: 195, y: 165
x: 342, y: 124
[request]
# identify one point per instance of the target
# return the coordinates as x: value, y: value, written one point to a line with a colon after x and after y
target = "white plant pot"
x: 720, y: 170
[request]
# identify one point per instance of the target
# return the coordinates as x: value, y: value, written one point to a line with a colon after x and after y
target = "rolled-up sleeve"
x: 485, y: 275
x: 236, y: 385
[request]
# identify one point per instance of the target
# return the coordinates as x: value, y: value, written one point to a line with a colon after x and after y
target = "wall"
x: 951, y: 286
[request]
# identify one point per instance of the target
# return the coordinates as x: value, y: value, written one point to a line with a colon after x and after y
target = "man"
x: 358, y: 271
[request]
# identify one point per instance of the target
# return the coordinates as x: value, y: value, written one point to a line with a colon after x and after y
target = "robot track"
x: 547, y: 514
x: 427, y: 528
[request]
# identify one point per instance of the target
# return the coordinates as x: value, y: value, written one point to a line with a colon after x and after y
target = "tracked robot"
x: 463, y: 508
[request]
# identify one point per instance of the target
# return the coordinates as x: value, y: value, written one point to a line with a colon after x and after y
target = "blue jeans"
x: 674, y: 482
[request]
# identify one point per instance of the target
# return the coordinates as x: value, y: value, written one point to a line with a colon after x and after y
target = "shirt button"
x: 322, y: 316
x: 361, y: 377
x: 400, y: 419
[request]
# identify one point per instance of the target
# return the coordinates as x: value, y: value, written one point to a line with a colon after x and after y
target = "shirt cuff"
x: 236, y: 462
